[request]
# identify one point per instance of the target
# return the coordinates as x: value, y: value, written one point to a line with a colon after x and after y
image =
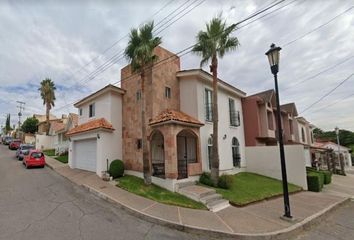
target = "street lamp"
x: 338, y: 143
x: 273, y: 57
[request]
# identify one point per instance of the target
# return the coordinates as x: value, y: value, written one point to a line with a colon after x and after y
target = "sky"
x: 68, y: 41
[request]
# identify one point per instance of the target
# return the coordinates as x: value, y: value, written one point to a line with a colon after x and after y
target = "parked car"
x: 7, y: 140
x: 15, y: 144
x: 35, y: 158
x: 23, y: 150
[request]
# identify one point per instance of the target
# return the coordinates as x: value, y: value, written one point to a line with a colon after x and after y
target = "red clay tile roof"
x: 91, y: 125
x: 174, y: 115
x: 56, y: 125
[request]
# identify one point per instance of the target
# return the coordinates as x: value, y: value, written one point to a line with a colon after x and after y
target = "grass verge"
x: 136, y: 185
x: 63, y: 159
x: 49, y: 152
x: 250, y: 187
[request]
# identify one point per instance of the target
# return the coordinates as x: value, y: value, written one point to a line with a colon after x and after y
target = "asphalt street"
x: 40, y: 204
x: 338, y: 225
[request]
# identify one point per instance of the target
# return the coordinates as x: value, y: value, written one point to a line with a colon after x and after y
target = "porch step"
x: 208, y: 196
x: 184, y: 184
x: 218, y: 205
x: 196, y: 192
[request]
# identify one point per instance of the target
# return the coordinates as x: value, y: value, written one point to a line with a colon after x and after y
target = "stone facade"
x: 163, y: 75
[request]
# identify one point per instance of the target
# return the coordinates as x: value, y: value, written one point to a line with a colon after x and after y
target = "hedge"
x: 327, y: 177
x: 116, y: 169
x: 205, y: 179
x: 314, y: 181
x: 225, y: 181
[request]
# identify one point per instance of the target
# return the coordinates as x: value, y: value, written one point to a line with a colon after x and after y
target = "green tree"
x: 30, y: 125
x: 140, y: 53
x: 47, y: 91
x: 212, y: 44
x: 8, y: 123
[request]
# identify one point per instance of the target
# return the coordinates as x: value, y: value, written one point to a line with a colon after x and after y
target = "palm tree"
x: 48, y: 95
x: 140, y: 53
x: 211, y: 45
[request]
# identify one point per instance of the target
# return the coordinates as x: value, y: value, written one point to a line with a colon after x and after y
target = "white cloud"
x: 56, y: 38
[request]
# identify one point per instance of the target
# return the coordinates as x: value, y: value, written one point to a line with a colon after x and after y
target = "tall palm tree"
x: 47, y: 91
x: 211, y: 45
x: 140, y: 53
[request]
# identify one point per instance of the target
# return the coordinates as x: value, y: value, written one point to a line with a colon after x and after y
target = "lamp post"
x: 273, y: 57
x: 339, y: 158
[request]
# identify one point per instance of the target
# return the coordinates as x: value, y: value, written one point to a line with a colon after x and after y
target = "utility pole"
x: 21, y: 108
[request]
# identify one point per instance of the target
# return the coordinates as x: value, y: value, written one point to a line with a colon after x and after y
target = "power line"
x: 333, y: 103
x: 317, y: 28
x: 183, y: 52
x: 328, y: 93
x: 319, y: 73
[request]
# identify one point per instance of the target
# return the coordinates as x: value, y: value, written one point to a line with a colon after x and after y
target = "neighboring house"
x: 304, y: 135
x: 61, y: 142
x: 98, y: 136
x: 259, y: 112
x: 42, y: 122
x: 343, y: 151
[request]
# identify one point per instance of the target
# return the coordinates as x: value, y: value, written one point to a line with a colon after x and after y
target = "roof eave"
x: 176, y: 122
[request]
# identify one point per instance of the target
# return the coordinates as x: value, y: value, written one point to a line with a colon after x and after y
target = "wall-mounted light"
x: 98, y: 136
x: 224, y: 137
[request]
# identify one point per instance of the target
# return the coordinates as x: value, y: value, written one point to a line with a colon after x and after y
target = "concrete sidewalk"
x: 261, y: 220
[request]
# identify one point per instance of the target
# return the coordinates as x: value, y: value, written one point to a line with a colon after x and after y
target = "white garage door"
x: 85, y: 154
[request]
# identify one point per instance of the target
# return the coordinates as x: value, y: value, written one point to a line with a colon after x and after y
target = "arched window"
x: 303, y: 135
x: 236, y: 156
x: 210, y: 150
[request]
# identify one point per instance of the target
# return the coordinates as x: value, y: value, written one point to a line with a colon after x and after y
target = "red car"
x: 35, y: 158
x: 15, y: 144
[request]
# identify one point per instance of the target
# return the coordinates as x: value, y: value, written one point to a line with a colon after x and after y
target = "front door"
x: 186, y: 153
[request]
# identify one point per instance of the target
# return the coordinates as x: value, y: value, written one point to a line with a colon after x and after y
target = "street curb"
x: 285, y: 233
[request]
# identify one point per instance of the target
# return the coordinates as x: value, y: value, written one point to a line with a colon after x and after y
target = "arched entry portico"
x: 186, y: 151
x: 157, y: 154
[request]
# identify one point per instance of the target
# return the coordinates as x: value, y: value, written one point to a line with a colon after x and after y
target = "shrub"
x: 313, y: 182
x: 116, y: 169
x: 327, y: 177
x: 225, y: 181
x: 205, y: 179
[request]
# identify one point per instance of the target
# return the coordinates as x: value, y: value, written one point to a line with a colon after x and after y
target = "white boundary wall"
x: 265, y: 160
x: 44, y: 142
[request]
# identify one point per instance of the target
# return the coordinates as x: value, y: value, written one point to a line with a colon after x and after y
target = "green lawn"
x: 49, y: 152
x: 251, y: 187
x: 136, y: 185
x: 63, y: 159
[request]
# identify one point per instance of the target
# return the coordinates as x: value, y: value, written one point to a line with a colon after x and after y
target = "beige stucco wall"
x: 192, y: 99
x: 265, y: 160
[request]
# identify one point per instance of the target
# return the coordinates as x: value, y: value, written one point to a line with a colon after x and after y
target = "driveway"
x: 40, y: 204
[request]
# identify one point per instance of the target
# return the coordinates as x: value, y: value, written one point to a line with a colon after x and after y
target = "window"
x: 234, y: 115
x: 303, y: 135
x: 167, y: 92
x: 138, y: 95
x: 92, y: 110
x: 80, y: 111
x: 270, y: 120
x: 210, y: 151
x: 311, y: 137
x: 291, y: 126
x: 139, y: 143
x: 208, y: 105
x: 236, y: 156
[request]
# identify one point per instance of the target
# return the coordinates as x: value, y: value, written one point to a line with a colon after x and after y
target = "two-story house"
x: 61, y: 142
x: 261, y: 122
x: 98, y: 136
x: 179, y: 122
